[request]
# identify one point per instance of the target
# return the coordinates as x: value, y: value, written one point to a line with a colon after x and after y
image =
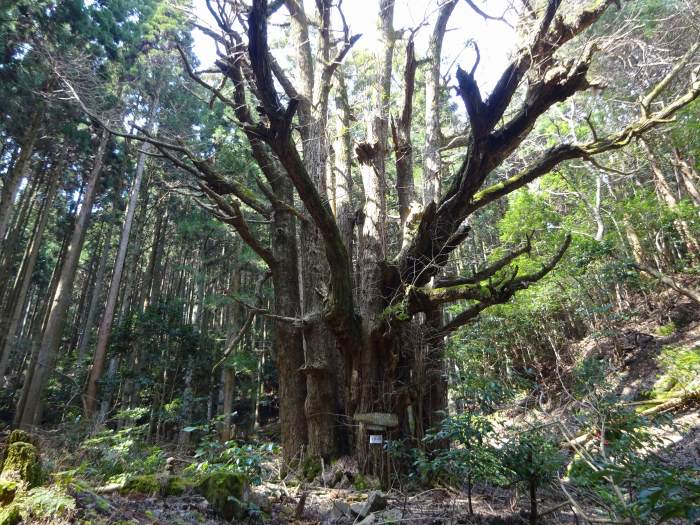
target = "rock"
x: 344, y: 483
x: 372, y: 519
x: 146, y: 484
x: 227, y: 492
x: 357, y: 508
x: 341, y: 509
x: 10, y: 515
x: 8, y: 489
x: 375, y: 502
x: 20, y: 436
x: 331, y: 478
x: 22, y: 464
x: 261, y: 501
x: 387, y: 516
x: 151, y: 484
x: 390, y: 516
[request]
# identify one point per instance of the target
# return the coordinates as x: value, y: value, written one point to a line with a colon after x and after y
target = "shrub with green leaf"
x: 471, y: 457
x: 247, y: 459
x: 112, y: 454
x: 532, y: 458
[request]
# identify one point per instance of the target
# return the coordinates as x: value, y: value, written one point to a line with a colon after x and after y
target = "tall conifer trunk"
x: 51, y: 339
x: 105, y: 329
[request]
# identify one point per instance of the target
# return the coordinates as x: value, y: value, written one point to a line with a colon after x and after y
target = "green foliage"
x: 667, y: 329
x: 654, y: 491
x: 680, y: 372
x: 45, y: 502
x: 471, y: 456
x: 38, y: 504
x: 10, y: 515
x: 112, y: 454
x: 587, y: 377
x: 532, y: 457
x: 246, y: 459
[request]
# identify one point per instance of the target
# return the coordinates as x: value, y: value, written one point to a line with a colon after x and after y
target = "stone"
x: 8, y: 490
x: 227, y: 492
x: 344, y: 483
x: 332, y: 477
x: 10, y: 515
x: 22, y: 464
x: 147, y: 485
x: 372, y: 519
x: 357, y: 508
x: 385, y: 517
x: 151, y: 484
x: 261, y: 501
x: 390, y: 516
x: 375, y: 502
x: 341, y: 509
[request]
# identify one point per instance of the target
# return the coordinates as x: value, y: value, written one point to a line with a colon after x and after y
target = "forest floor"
x: 634, y: 350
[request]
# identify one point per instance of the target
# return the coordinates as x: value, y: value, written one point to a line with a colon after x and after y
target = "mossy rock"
x: 147, y: 484
x: 176, y: 486
x: 8, y: 490
x: 10, y: 515
x: 20, y: 436
x: 17, y: 436
x: 227, y: 492
x: 22, y: 464
x: 151, y: 484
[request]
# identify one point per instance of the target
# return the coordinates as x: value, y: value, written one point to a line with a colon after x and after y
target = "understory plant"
x: 112, y: 455
x: 624, y: 471
x: 212, y: 456
x: 532, y: 458
x: 471, y: 456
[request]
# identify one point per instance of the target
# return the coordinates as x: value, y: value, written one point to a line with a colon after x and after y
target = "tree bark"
x: 665, y: 191
x: 51, y: 339
x: 24, y: 275
x: 105, y: 328
x: 433, y: 135
x: 16, y: 174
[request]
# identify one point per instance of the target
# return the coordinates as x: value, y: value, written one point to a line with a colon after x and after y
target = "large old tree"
x: 360, y: 327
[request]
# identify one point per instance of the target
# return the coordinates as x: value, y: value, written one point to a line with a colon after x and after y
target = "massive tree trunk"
x: 288, y: 348
x: 320, y: 348
x: 373, y: 367
x: 51, y: 340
